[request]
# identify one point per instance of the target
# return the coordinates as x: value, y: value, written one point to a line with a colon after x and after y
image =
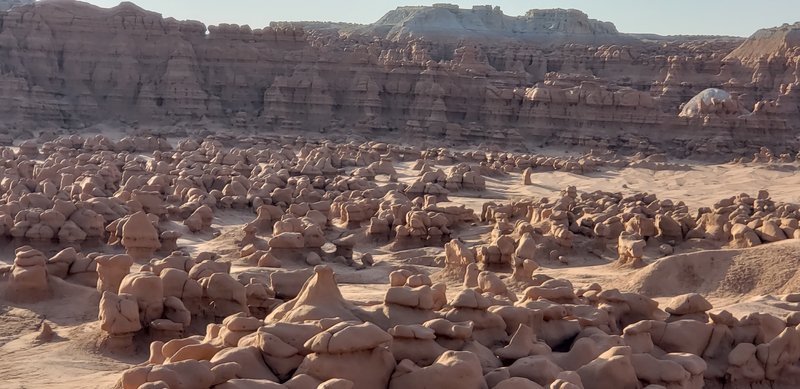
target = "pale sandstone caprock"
x: 29, y: 277
x: 139, y: 237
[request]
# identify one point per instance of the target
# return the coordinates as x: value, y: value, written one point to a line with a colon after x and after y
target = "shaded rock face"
x: 129, y: 74
x: 73, y: 64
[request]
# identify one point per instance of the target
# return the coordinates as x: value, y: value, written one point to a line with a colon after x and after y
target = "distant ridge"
x: 447, y: 22
x: 783, y: 41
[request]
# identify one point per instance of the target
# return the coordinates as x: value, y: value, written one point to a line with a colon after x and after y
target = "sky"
x: 687, y: 17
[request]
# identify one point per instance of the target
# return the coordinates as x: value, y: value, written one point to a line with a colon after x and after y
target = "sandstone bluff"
x: 462, y: 75
x: 559, y: 204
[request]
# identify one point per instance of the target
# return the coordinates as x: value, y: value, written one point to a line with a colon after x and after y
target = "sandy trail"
x: 703, y: 185
x: 70, y: 360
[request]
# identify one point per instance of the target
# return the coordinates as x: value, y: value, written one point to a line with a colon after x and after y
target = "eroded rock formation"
x: 400, y: 74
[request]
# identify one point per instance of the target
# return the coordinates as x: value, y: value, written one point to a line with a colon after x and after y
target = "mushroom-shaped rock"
x: 319, y: 298
x: 668, y: 229
x: 140, y: 237
x: 226, y: 295
x: 457, y: 257
x: 744, y: 236
x: 612, y: 369
x: 111, y: 269
x: 452, y: 370
x: 416, y: 343
x: 770, y: 231
x: 288, y: 284
x: 148, y: 290
x: 71, y: 232
x: 631, y: 249
x: 688, y: 306
x: 169, y: 240
x: 283, y: 345
x: 200, y: 219
x: 287, y: 240
x: 469, y: 305
x: 28, y: 276
x: 526, y: 248
x: 58, y: 265
x: 537, y: 368
x: 119, y: 317
x: 176, y: 260
x: 489, y: 282
x: 523, y: 344
x: 176, y: 312
x: 185, y: 374
x: 672, y: 370
x: 358, y: 353
x: 409, y: 305
x: 249, y: 358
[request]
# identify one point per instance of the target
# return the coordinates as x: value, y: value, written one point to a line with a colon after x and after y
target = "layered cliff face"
x: 773, y: 54
x: 70, y: 61
x: 72, y: 64
x: 769, y: 43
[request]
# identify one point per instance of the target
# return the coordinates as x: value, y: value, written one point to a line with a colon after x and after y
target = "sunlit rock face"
x: 484, y: 22
x: 435, y: 74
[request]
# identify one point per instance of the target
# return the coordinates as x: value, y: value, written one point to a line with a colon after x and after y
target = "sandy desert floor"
x: 71, y: 359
